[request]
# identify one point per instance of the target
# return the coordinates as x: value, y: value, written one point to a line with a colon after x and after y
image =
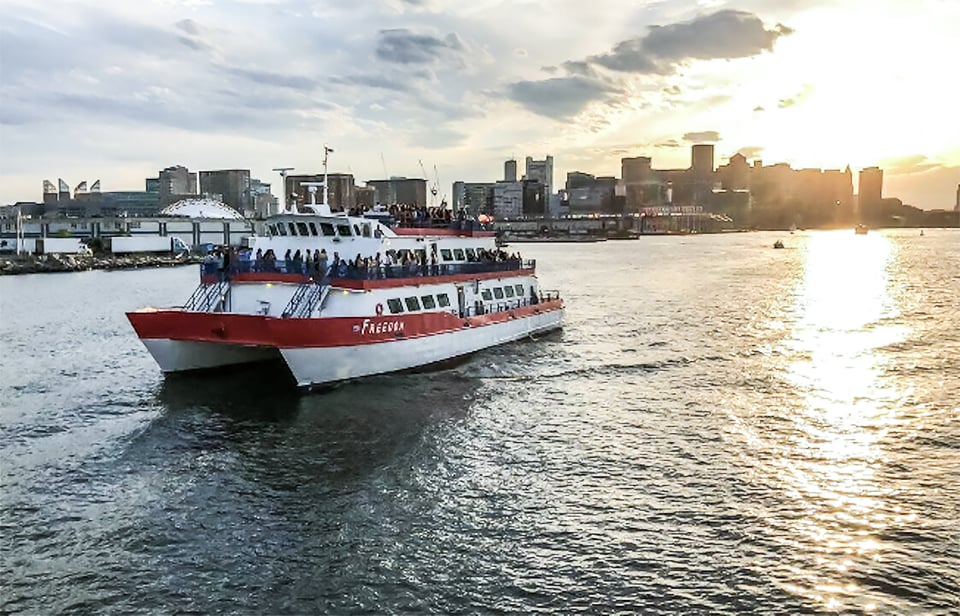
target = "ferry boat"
x: 379, y: 299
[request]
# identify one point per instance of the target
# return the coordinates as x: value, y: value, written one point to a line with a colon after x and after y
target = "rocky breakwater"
x: 37, y: 264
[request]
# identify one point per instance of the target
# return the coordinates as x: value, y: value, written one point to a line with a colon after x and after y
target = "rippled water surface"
x: 720, y: 428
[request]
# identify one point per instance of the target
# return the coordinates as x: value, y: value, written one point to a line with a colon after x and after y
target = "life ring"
x: 379, y: 309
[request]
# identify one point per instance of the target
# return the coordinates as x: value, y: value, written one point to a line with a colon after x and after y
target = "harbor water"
x: 721, y: 428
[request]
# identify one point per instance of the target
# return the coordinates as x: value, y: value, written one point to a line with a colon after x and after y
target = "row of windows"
x: 499, y: 293
x: 414, y: 303
x: 307, y: 229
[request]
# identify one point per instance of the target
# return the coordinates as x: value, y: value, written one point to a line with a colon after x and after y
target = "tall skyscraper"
x: 510, y: 171
x: 175, y: 183
x: 701, y: 159
x: 541, y: 170
x: 870, y: 192
x: 233, y: 186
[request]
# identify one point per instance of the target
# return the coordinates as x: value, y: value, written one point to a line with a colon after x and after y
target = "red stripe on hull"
x: 257, y: 330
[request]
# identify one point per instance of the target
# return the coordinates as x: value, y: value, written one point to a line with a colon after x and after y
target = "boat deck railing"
x: 348, y: 271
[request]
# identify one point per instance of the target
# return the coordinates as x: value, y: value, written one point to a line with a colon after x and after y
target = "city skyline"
x: 109, y: 90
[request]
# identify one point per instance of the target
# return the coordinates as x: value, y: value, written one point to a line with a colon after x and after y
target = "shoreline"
x: 13, y: 265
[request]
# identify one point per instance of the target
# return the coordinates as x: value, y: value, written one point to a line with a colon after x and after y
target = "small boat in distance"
x: 860, y: 229
x: 778, y: 244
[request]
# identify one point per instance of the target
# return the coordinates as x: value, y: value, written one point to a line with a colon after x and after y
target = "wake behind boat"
x: 410, y: 297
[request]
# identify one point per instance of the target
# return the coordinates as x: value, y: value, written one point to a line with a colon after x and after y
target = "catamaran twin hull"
x: 330, y: 349
x: 410, y: 297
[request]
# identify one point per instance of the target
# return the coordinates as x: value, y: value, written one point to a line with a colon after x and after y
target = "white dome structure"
x: 201, y: 208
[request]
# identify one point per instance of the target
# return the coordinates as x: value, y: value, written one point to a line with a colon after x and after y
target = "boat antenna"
x: 327, y: 151
x: 283, y: 182
x: 384, y: 162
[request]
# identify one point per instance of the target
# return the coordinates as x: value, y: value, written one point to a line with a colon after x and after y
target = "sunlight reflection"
x: 844, y: 312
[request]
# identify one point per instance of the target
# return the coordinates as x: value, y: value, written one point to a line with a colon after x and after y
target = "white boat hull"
x: 186, y: 355
x: 314, y: 366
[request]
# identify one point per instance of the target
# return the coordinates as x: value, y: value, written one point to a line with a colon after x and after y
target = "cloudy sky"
x: 118, y: 89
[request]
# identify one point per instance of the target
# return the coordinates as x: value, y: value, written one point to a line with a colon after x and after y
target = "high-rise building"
x: 341, y: 190
x: 701, y: 159
x: 640, y: 183
x: 510, y: 171
x: 264, y: 203
x: 507, y: 200
x: 870, y: 193
x: 232, y: 185
x: 474, y: 197
x: 409, y: 191
x: 175, y: 183
x: 541, y: 170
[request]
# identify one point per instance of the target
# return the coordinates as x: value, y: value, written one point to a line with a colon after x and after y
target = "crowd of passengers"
x: 411, y: 215
x: 390, y: 264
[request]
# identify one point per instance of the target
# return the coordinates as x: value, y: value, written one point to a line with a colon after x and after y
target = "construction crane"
x: 436, y: 187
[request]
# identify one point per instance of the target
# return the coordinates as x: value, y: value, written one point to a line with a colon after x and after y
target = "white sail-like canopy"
x: 201, y: 208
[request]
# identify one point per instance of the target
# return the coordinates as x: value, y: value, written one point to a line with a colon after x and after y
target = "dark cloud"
x: 559, y: 97
x: 669, y: 143
x: 726, y: 35
x: 577, y: 67
x: 406, y: 47
x: 758, y: 109
x: 628, y: 57
x: 673, y: 90
x: 702, y: 136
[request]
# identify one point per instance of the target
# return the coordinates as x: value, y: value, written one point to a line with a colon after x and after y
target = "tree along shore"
x: 39, y: 264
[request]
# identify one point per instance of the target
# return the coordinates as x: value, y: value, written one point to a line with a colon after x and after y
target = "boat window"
x: 471, y: 254
x: 428, y: 303
x: 292, y: 227
x: 509, y: 291
x: 302, y: 229
x: 519, y: 288
x: 313, y: 228
x: 412, y: 303
x: 394, y: 306
x: 356, y: 229
x: 327, y: 229
x: 445, y: 254
x: 443, y: 300
x: 487, y: 295
x: 366, y: 229
x: 343, y: 230
x: 273, y: 229
x: 498, y: 292
x: 282, y: 229
x: 421, y: 255
x: 458, y: 254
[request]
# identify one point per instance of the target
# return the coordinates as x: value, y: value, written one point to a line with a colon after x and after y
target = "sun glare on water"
x: 843, y: 315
